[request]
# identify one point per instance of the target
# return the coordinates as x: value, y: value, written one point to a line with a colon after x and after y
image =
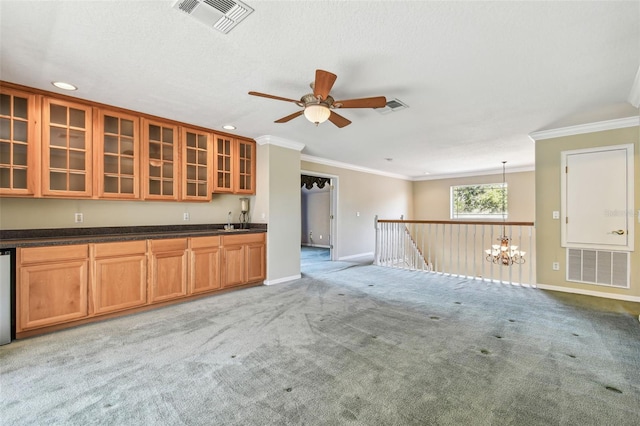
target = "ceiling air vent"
x: 392, y: 106
x: 223, y: 15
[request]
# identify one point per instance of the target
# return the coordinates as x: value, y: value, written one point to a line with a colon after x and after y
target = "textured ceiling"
x: 478, y: 76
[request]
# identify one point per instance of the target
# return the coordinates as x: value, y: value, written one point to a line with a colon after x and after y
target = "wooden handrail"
x: 457, y: 222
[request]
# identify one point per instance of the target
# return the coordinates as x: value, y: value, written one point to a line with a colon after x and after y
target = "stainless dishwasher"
x: 6, y: 301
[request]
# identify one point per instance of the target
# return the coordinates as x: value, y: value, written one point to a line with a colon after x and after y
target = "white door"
x: 598, y: 198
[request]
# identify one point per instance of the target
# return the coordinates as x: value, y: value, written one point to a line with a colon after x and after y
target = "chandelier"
x: 504, y: 253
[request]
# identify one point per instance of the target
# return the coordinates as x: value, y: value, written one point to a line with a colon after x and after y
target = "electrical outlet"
x: 320, y: 236
x: 358, y: 214
x: 186, y: 216
x: 556, y: 266
x: 78, y: 218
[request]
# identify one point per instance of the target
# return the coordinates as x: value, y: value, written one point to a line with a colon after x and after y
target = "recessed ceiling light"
x: 229, y: 127
x: 389, y: 159
x: 427, y: 173
x: 63, y: 85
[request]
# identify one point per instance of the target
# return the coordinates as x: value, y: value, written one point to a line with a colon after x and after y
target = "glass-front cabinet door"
x: 197, y: 158
x: 224, y: 164
x: 19, y: 143
x: 118, y: 162
x: 160, y: 160
x: 66, y: 149
x: 246, y: 175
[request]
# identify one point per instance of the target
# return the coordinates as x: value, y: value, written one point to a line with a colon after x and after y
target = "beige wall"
x: 29, y: 213
x: 548, y: 175
x: 368, y: 194
x: 278, y: 170
x: 431, y: 198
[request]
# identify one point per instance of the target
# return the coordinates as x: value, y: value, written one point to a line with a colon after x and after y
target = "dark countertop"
x: 64, y: 236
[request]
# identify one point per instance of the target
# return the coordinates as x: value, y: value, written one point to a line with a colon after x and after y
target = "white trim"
x: 598, y: 126
x: 333, y: 209
x: 634, y: 95
x: 629, y: 246
x: 315, y: 245
x: 327, y: 162
x: 476, y: 173
x: 281, y: 142
x: 282, y: 280
x: 356, y: 256
x: 589, y: 292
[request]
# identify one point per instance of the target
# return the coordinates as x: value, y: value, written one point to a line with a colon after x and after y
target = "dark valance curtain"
x: 308, y: 181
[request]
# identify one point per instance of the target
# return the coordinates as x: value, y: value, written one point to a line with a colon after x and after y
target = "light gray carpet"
x: 346, y: 344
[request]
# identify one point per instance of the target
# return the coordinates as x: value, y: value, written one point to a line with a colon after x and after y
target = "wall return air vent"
x: 223, y: 15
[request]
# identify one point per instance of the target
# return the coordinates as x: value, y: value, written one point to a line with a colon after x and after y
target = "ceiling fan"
x: 318, y: 106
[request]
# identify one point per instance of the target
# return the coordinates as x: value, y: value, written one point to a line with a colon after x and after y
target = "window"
x: 486, y: 201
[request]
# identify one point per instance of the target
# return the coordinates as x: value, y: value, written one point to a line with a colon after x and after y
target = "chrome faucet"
x: 229, y: 221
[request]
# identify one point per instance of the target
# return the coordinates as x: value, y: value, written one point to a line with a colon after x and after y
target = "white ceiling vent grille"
x: 392, y: 106
x: 610, y: 268
x: 223, y: 15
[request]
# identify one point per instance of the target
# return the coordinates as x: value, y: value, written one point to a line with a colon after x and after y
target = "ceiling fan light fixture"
x: 317, y: 113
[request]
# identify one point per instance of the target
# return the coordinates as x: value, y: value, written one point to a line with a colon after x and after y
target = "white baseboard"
x: 314, y: 245
x: 589, y: 292
x: 356, y: 256
x: 282, y: 280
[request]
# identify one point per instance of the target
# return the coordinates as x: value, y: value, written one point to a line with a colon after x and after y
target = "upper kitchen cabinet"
x: 223, y: 168
x: 160, y: 160
x: 246, y: 163
x: 197, y: 157
x: 19, y: 143
x: 234, y: 165
x: 118, y: 162
x: 66, y: 149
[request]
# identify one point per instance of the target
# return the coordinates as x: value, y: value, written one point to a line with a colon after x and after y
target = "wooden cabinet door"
x: 117, y: 164
x: 66, y: 149
x: 197, y: 158
x: 245, y: 176
x: 205, y: 264
x: 120, y: 276
x: 168, y: 269
x: 160, y: 160
x: 19, y: 143
x: 51, y: 285
x: 256, y: 270
x: 224, y: 154
x: 234, y: 265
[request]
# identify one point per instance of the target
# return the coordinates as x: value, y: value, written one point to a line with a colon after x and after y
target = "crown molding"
x: 281, y: 142
x: 598, y: 126
x: 333, y: 163
x: 531, y: 168
x: 634, y: 95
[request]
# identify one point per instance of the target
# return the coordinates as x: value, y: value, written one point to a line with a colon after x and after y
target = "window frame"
x: 502, y: 215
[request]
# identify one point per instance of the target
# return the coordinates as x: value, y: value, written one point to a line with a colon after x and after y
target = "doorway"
x: 318, y: 215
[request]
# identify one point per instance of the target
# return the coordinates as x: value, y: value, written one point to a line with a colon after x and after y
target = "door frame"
x: 333, y: 209
x: 628, y: 213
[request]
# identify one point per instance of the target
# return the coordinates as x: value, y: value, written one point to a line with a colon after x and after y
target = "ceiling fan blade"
x: 290, y: 117
x: 278, y: 98
x: 323, y: 84
x: 375, y: 102
x: 338, y: 120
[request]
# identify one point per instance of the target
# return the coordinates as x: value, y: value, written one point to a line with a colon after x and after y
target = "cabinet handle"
x: 619, y: 232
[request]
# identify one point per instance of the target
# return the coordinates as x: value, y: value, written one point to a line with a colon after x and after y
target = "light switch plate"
x: 556, y: 214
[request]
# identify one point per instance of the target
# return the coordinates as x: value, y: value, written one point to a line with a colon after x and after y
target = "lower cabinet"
x: 119, y: 275
x: 64, y: 284
x: 168, y: 269
x: 205, y: 264
x: 243, y: 259
x: 51, y: 285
